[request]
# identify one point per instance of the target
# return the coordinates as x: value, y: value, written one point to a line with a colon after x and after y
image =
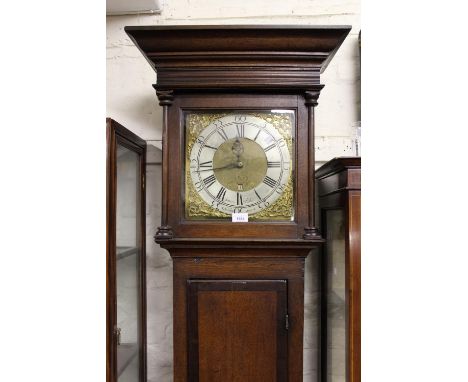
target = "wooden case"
x: 237, y: 68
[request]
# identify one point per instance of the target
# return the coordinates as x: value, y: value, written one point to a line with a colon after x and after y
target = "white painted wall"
x: 131, y: 100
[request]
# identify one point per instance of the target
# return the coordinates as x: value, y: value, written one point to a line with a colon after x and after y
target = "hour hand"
x: 230, y: 165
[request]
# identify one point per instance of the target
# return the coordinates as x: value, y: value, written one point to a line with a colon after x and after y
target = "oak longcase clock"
x: 238, y: 190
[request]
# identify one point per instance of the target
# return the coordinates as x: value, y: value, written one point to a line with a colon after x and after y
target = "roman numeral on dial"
x: 258, y: 133
x: 223, y: 134
x: 240, y: 130
x: 273, y: 164
x: 270, y: 182
x: 207, y: 164
x: 239, y: 199
x: 221, y: 194
x: 209, y: 181
x: 269, y: 147
x: 210, y: 147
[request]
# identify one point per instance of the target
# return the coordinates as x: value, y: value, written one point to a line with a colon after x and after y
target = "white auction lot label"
x: 240, y: 217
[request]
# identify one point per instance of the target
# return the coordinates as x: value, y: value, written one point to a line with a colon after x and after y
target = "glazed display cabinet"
x: 125, y: 286
x: 339, y: 191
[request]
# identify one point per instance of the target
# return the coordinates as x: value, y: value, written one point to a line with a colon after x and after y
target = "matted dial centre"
x: 240, y: 164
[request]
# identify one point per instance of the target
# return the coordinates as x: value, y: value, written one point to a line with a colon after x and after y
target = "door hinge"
x: 117, y: 334
x: 286, y: 322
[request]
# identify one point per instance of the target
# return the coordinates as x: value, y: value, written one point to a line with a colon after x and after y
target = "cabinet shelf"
x: 123, y: 252
x: 125, y: 355
x: 335, y: 299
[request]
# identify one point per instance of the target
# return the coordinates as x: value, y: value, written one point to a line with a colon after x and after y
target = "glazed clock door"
x: 237, y: 330
x: 126, y: 298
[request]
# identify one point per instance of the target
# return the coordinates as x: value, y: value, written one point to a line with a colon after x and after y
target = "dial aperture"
x: 239, y: 163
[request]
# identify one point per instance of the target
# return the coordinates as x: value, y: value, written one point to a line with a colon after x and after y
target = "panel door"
x: 237, y: 330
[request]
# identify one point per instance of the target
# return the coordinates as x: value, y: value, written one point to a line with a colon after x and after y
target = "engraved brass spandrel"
x: 195, y: 123
x: 196, y: 207
x: 282, y: 209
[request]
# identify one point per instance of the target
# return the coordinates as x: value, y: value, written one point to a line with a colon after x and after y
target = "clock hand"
x: 237, y: 149
x: 230, y: 165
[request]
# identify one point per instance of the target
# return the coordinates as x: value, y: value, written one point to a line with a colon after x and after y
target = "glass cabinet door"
x: 127, y: 263
x: 336, y: 296
x: 126, y: 256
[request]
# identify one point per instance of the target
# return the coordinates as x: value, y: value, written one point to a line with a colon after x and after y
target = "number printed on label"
x: 240, y: 217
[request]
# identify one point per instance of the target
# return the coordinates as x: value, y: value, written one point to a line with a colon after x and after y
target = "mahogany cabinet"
x: 125, y: 256
x: 339, y: 192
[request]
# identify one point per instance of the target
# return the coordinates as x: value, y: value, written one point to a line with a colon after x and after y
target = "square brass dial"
x: 239, y: 161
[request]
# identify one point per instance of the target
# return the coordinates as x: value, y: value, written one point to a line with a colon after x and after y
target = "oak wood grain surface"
x: 237, y: 330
